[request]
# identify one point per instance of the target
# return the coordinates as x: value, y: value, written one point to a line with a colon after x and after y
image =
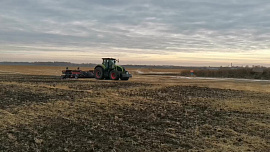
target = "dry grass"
x: 35, y: 70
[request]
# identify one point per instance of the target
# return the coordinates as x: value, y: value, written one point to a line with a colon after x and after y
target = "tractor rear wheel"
x: 99, y: 74
x: 114, y: 75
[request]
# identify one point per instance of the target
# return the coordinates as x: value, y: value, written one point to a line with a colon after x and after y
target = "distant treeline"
x: 245, y: 73
x: 69, y: 64
x: 161, y: 67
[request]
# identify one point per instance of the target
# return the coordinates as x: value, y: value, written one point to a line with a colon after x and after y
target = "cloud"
x: 135, y: 27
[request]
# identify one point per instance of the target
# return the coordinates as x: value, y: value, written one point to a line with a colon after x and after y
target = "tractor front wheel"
x: 114, y: 75
x: 99, y: 73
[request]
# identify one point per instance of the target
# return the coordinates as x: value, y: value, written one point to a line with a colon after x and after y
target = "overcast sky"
x: 174, y: 32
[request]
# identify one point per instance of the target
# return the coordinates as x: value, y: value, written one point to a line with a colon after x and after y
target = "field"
x: 41, y: 112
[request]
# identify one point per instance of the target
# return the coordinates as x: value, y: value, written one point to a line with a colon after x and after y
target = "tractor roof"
x: 108, y: 59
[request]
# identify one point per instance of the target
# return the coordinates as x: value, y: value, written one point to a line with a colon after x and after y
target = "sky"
x: 160, y: 32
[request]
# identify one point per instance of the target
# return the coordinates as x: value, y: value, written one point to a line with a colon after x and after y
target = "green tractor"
x: 109, y: 70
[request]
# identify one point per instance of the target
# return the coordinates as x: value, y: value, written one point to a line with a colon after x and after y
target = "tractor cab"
x: 109, y: 63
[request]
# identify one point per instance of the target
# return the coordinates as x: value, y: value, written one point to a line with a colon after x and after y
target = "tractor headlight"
x: 126, y: 72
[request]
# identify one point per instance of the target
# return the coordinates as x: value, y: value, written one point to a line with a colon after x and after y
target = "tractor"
x: 109, y: 70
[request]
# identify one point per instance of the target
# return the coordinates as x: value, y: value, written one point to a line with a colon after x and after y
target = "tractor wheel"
x: 99, y: 73
x: 114, y: 75
x: 124, y: 79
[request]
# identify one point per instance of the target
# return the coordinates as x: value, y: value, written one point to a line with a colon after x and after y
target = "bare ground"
x: 44, y: 113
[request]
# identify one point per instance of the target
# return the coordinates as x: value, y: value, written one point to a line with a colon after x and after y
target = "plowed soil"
x: 44, y: 113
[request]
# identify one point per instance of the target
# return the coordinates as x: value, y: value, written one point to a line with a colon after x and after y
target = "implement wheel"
x: 99, y: 73
x: 114, y: 75
x: 63, y: 76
